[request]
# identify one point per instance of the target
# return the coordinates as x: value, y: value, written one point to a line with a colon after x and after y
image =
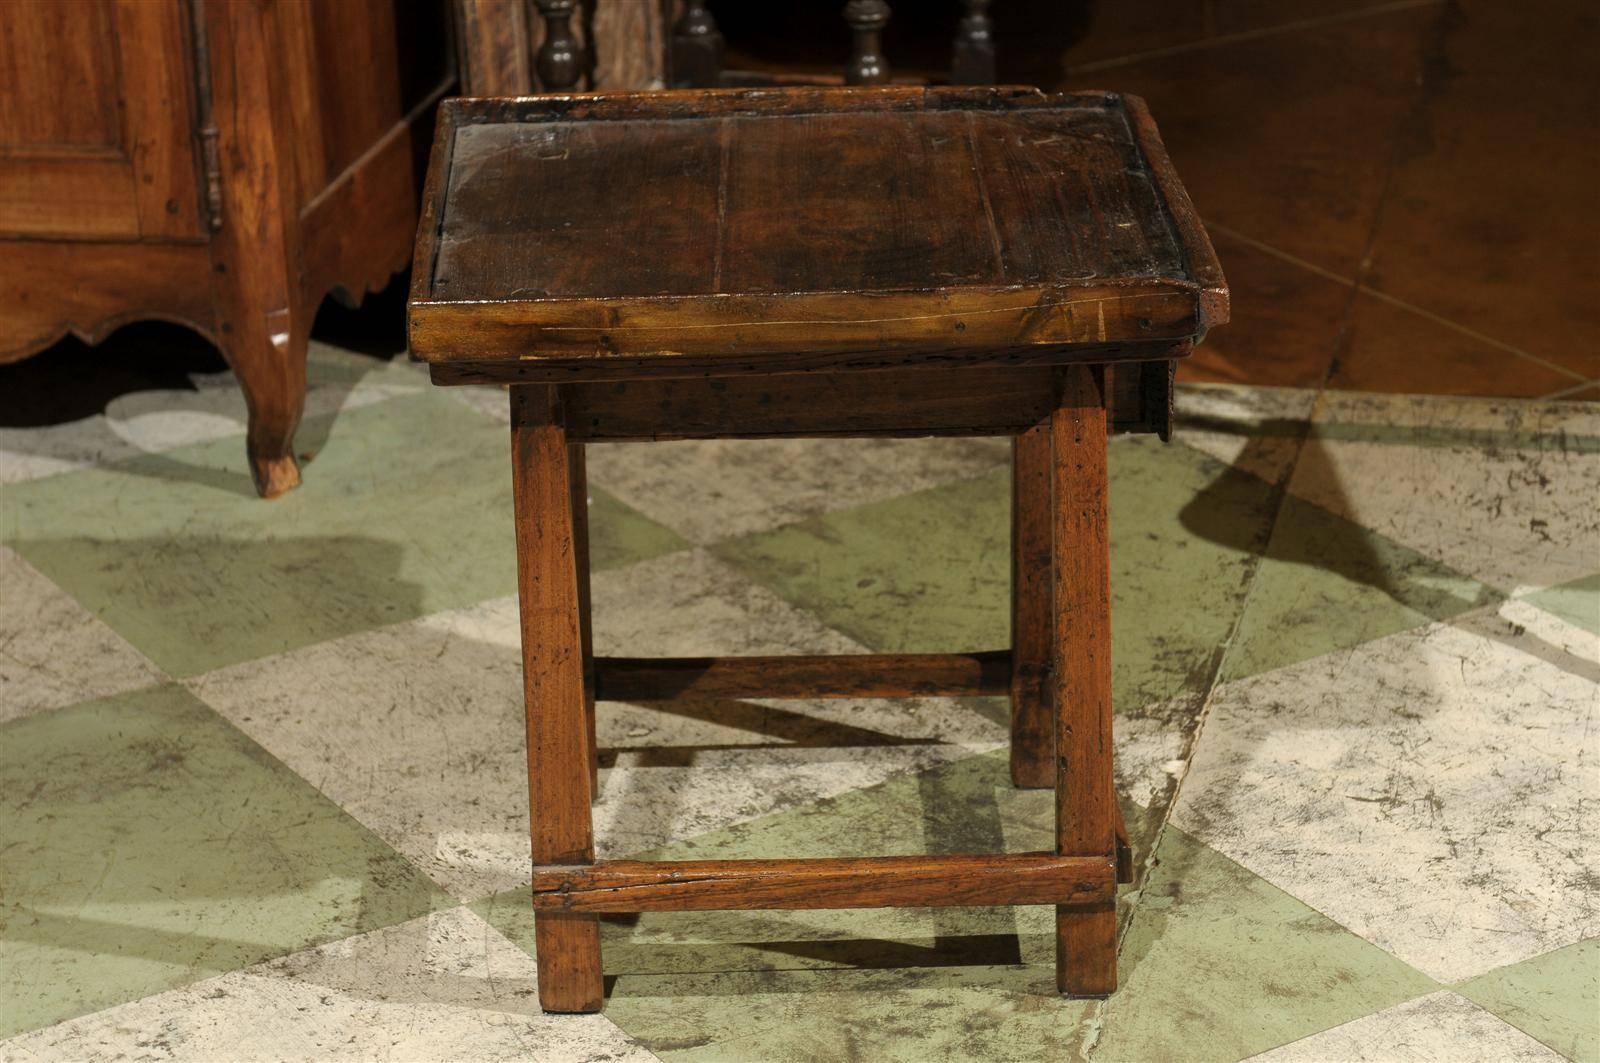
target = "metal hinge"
x: 205, y: 126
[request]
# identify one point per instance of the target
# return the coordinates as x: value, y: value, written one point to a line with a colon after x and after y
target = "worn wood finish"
x: 1033, y: 735
x: 264, y: 322
x: 590, y: 368
x: 862, y: 675
x: 559, y: 746
x: 846, y: 882
x: 616, y: 395
x: 115, y: 284
x: 578, y: 482
x: 705, y: 224
x: 915, y: 402
x: 1080, y: 673
x: 224, y: 165
x: 1025, y: 271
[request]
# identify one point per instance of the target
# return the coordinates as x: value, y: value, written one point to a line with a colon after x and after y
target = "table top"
x: 772, y: 222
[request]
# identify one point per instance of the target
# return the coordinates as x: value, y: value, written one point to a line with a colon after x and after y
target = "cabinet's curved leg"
x: 263, y: 325
x: 270, y: 364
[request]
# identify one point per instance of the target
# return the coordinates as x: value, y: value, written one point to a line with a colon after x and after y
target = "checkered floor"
x: 261, y: 780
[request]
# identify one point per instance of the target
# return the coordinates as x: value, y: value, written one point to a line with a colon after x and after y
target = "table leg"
x: 567, y: 946
x: 579, y: 479
x: 1032, y: 722
x: 1086, y: 939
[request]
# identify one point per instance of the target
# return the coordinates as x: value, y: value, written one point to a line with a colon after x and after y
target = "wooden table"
x: 818, y: 262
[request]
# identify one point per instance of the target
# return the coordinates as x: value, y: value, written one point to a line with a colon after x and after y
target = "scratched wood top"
x: 743, y: 222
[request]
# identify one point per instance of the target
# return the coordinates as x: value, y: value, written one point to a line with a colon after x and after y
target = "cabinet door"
x: 96, y: 120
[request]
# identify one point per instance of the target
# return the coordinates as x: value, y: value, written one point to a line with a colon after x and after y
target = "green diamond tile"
x: 620, y: 535
x: 971, y: 1013
x: 930, y: 571
x: 148, y: 843
x: 1326, y: 583
x: 1554, y: 998
x: 405, y: 512
x: 1219, y: 965
x: 1577, y: 602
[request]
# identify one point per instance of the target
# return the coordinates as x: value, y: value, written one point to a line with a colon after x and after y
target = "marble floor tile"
x: 898, y: 1016
x: 930, y: 571
x: 444, y: 986
x: 417, y: 729
x: 53, y: 651
x: 1554, y: 635
x: 1219, y: 964
x: 1555, y: 997
x: 763, y: 484
x: 1427, y: 790
x: 149, y: 844
x: 1326, y: 583
x: 1252, y: 429
x: 1577, y: 602
x: 1441, y: 1027
x: 405, y: 512
x: 1501, y: 491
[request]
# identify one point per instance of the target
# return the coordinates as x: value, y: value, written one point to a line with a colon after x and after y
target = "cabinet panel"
x: 52, y: 52
x: 95, y: 120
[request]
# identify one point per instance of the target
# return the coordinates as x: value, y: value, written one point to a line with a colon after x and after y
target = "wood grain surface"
x: 1033, y: 734
x: 844, y: 882
x: 1080, y: 673
x: 783, y: 221
x: 559, y: 754
x: 860, y: 675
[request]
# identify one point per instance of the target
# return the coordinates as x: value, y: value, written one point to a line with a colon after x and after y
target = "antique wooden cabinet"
x: 224, y: 164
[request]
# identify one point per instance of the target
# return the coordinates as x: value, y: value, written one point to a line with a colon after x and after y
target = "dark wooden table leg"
x: 1086, y: 809
x: 567, y: 946
x: 1033, y: 725
x: 579, y: 479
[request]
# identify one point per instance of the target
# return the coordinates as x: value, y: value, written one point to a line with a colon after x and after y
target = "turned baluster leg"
x: 696, y: 48
x: 1086, y: 804
x: 973, y: 62
x: 1033, y: 726
x: 560, y: 59
x: 567, y: 946
x: 867, y: 64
